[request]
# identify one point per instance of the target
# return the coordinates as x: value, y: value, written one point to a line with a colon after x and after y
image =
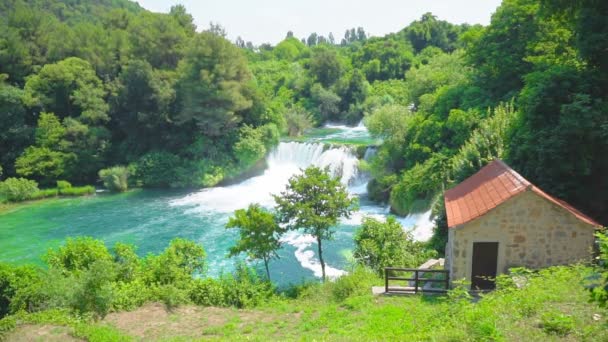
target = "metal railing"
x: 417, y: 279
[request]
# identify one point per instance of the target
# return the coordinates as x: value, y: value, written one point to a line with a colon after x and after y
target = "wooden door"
x: 485, y: 262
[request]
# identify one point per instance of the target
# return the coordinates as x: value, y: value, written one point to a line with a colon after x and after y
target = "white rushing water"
x: 288, y: 159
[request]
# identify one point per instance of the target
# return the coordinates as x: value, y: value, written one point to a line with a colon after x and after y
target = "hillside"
x: 551, y: 306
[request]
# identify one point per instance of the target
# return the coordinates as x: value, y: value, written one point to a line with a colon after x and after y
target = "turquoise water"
x: 146, y: 219
x: 150, y: 219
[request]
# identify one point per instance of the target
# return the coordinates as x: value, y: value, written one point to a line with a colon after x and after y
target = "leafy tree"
x: 159, y: 39
x: 325, y: 66
x: 115, y: 178
x: 212, y: 90
x: 15, y: 129
x: 259, y: 234
x: 77, y: 255
x: 599, y: 281
x: 314, y: 201
x: 18, y: 189
x: 68, y: 88
x: 298, y: 121
x: 386, y: 244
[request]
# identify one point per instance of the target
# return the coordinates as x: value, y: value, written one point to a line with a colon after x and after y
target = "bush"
x: 78, y: 191
x: 77, y: 254
x: 357, y: 283
x: 115, y: 178
x: 93, y: 291
x: 298, y: 121
x: 130, y: 295
x: 62, y: 185
x: 18, y: 189
x: 385, y: 244
x: 557, y: 323
x: 244, y: 289
x: 177, y: 263
x: 156, y: 169
x: 207, y: 292
x: 45, y: 193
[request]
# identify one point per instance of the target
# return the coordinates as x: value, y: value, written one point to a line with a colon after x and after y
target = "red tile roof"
x: 488, y: 188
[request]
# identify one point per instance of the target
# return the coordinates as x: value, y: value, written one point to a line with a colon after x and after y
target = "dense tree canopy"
x: 91, y: 85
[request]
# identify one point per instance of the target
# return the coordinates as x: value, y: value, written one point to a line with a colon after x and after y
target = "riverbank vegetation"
x: 86, y: 88
x: 86, y: 289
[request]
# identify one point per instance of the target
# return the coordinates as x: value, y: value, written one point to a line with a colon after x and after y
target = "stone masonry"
x: 531, y: 232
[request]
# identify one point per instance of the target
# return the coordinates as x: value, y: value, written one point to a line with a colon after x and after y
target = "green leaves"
x: 212, y: 88
x: 385, y: 244
x: 314, y: 202
x: 259, y: 234
x: 18, y: 189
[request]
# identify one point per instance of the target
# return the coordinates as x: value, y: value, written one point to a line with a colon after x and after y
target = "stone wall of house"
x: 530, y: 231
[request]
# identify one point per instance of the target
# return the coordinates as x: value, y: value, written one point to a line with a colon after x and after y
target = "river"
x: 151, y: 218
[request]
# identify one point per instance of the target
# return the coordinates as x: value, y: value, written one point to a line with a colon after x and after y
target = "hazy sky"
x: 262, y: 21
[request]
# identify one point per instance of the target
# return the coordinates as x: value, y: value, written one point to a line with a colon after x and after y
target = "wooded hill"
x: 88, y: 86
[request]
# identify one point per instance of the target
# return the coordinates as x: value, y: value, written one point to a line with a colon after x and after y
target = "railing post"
x: 416, y: 281
x: 385, y: 280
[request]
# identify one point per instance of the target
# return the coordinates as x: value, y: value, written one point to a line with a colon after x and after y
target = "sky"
x: 267, y: 21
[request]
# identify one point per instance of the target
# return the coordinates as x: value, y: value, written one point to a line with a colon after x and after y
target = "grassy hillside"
x: 550, y: 306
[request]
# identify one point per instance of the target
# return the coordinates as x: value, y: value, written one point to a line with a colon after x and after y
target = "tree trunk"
x: 267, y: 271
x: 321, y: 258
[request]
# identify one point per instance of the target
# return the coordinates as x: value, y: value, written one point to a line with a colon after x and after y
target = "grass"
x: 552, y: 306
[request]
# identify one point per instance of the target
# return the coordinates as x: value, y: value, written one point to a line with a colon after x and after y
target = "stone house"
x: 498, y: 220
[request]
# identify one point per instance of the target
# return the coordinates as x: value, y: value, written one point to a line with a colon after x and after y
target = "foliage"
x: 78, y: 254
x: 18, y: 189
x: 314, y: 202
x: 259, y: 234
x: 115, y: 178
x: 77, y: 191
x: 63, y: 185
x: 213, y: 88
x: 598, y: 281
x: 298, y: 121
x: 557, y: 323
x: 385, y: 244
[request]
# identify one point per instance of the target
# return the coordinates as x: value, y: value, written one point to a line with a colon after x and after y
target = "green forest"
x: 89, y: 86
x: 108, y: 94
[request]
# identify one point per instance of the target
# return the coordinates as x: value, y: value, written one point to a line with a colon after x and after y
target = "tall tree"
x: 213, y: 87
x: 314, y: 201
x: 259, y: 234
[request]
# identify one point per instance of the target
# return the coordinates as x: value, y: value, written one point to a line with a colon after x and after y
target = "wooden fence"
x: 389, y: 274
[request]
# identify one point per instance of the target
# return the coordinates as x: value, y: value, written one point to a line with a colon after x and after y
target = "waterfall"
x: 284, y: 161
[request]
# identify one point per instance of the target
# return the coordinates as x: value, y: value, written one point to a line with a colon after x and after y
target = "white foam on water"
x: 306, y: 256
x: 285, y: 161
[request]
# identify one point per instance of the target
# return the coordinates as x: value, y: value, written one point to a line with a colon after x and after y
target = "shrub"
x: 115, y: 178
x: 557, y: 323
x: 207, y: 292
x: 598, y: 281
x: 93, y: 290
x: 357, y: 283
x: 384, y: 244
x: 18, y: 189
x: 78, y: 191
x: 176, y: 264
x: 45, y: 193
x: 298, y: 121
x: 61, y: 185
x: 77, y: 254
x: 171, y: 295
x: 130, y: 295
x: 244, y: 289
x: 156, y: 169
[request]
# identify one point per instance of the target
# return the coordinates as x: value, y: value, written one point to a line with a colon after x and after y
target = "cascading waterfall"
x: 284, y: 162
